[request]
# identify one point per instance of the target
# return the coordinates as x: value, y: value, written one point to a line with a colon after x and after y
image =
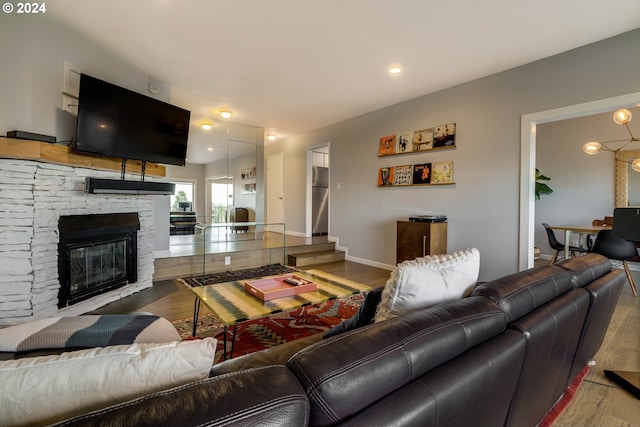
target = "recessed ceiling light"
x: 271, y: 136
x: 225, y: 114
x: 206, y: 125
x: 394, y: 70
x: 210, y: 149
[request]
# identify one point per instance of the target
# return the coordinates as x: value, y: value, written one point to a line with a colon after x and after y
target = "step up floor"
x: 310, y: 258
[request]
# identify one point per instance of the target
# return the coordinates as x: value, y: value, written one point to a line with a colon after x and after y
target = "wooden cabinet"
x: 417, y: 239
x: 240, y: 215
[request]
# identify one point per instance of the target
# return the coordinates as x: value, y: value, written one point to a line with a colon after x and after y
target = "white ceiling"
x: 292, y: 66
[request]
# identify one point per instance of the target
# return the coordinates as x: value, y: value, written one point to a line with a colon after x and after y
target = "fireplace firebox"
x: 96, y: 253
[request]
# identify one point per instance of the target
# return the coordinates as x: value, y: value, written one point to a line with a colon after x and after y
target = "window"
x: 182, y: 200
x: 221, y: 200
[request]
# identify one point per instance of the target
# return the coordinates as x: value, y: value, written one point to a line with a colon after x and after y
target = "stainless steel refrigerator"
x: 320, y: 201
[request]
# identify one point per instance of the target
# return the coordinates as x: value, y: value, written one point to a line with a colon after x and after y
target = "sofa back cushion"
x: 603, y: 293
x: 474, y: 389
x: 348, y: 372
x: 523, y: 292
x: 552, y: 332
x: 585, y: 269
x: 268, y: 396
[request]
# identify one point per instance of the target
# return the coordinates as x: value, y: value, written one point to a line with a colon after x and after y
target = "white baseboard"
x: 370, y: 263
x: 360, y: 260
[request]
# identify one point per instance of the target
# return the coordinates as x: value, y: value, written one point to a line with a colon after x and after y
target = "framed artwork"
x: 404, y: 144
x: 248, y: 188
x: 422, y: 173
x: 444, y: 136
x: 387, y: 145
x: 385, y: 177
x: 442, y: 172
x: 423, y: 139
x: 403, y: 175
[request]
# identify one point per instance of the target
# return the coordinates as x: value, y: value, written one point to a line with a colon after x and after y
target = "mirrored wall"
x: 223, y: 180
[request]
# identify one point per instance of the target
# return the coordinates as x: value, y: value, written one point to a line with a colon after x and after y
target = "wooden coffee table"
x: 232, y: 304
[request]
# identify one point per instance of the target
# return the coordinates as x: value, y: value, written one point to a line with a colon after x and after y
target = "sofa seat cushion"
x: 428, y: 281
x: 43, y: 390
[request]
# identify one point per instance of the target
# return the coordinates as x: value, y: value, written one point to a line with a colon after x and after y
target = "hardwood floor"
x: 599, y: 402
x: 172, y: 300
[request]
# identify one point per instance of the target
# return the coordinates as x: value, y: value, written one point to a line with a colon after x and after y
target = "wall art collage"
x: 432, y: 173
x: 418, y: 174
x: 438, y: 137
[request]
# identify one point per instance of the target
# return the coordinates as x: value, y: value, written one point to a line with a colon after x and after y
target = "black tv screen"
x: 118, y: 122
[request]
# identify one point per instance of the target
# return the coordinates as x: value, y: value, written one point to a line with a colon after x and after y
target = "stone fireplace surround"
x: 33, y: 195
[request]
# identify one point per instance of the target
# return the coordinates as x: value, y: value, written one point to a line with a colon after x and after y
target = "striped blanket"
x: 87, y: 332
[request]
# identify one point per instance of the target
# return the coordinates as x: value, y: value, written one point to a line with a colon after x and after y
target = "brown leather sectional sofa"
x: 501, y: 357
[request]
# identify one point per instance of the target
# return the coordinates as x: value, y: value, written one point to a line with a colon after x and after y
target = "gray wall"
x: 34, y: 49
x: 482, y: 207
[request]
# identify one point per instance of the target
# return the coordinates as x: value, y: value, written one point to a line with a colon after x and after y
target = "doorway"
x: 275, y: 188
x: 318, y: 191
x: 221, y: 191
x: 528, y: 161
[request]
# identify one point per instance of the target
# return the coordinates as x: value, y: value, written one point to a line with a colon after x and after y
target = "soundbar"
x: 121, y: 186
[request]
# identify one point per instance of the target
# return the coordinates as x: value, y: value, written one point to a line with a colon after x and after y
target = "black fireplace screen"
x: 96, y: 253
x: 97, y: 265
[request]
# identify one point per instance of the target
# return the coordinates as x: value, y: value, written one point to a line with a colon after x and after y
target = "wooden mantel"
x: 23, y: 149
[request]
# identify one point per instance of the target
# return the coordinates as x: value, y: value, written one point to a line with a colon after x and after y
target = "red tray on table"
x: 277, y: 287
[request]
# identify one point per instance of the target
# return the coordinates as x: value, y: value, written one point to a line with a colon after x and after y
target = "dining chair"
x: 559, y: 247
x: 617, y: 249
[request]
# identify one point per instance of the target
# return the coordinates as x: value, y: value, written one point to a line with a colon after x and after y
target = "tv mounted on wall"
x: 118, y: 122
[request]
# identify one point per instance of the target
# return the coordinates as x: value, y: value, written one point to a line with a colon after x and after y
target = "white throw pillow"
x: 428, y: 281
x: 44, y: 390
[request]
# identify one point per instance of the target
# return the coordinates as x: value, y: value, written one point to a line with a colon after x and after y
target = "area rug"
x: 555, y: 412
x: 230, y: 276
x: 259, y: 334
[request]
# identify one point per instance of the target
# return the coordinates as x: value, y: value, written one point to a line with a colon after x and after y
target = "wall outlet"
x: 227, y: 260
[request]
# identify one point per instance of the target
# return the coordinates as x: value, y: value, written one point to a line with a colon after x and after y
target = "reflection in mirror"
x: 225, y: 172
x: 627, y: 180
x: 633, y: 179
x: 234, y: 180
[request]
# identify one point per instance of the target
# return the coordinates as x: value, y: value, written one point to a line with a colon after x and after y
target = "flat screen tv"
x: 118, y: 122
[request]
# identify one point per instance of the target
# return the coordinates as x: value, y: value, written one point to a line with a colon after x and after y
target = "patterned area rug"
x: 255, y: 335
x: 230, y: 276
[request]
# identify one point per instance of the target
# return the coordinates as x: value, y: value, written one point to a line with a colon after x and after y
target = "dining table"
x: 579, y: 229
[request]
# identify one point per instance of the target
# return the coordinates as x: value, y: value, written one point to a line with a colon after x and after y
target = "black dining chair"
x: 559, y: 247
x: 617, y: 249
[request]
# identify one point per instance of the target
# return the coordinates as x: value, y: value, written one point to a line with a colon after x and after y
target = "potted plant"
x: 541, y: 187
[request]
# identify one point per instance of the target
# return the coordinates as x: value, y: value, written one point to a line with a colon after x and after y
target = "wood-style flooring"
x: 598, y: 403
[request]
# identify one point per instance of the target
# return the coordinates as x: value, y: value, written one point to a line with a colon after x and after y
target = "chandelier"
x: 621, y: 117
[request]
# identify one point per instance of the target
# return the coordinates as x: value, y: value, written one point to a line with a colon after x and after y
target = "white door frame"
x: 528, y: 160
